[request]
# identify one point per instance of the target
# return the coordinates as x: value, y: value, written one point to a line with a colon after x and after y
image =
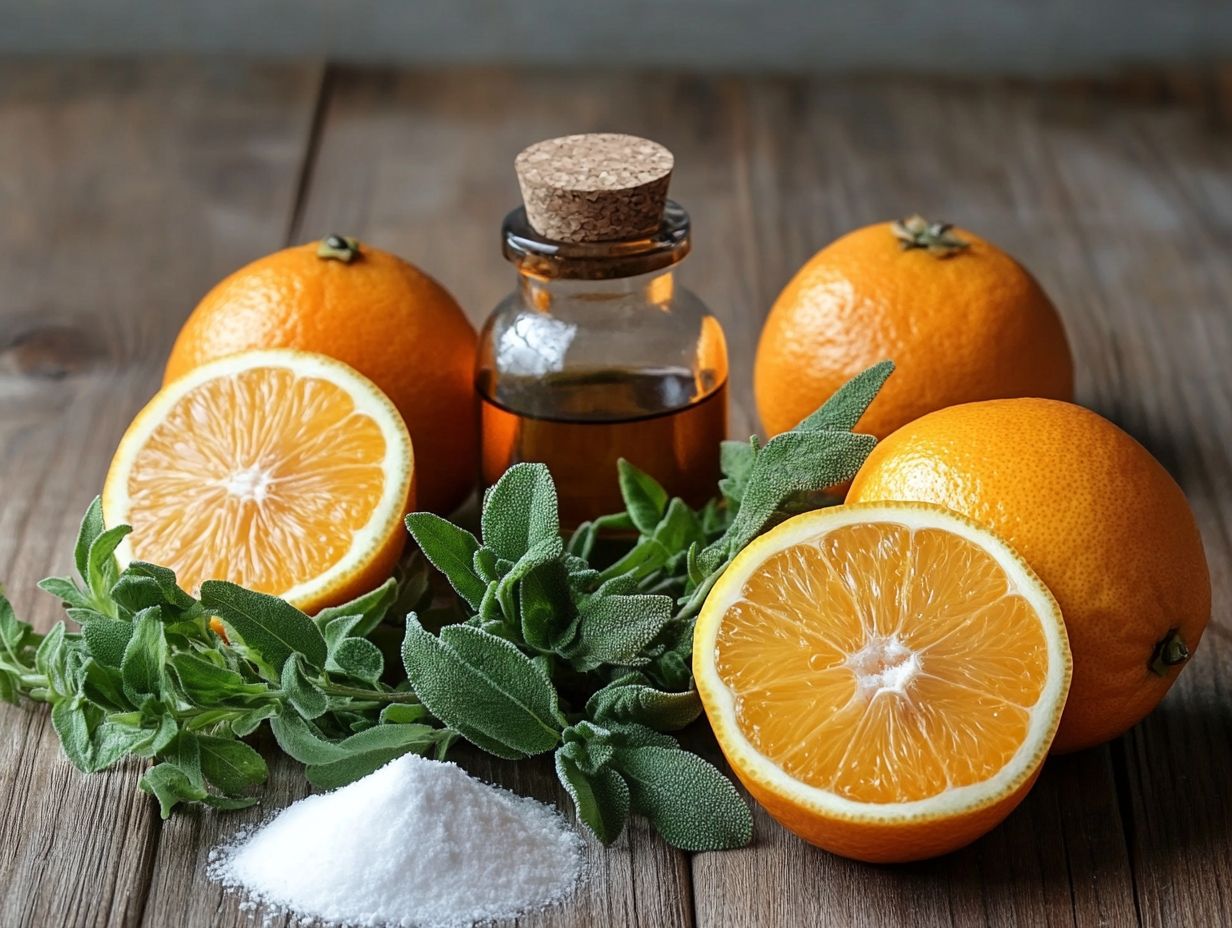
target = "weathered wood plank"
x: 125, y: 190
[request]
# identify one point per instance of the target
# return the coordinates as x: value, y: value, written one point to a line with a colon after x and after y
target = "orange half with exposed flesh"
x: 885, y: 679
x: 283, y: 471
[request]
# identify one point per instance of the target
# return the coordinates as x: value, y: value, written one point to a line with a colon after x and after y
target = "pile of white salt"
x: 417, y: 843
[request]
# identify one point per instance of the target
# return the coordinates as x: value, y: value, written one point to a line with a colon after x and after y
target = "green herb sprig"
x: 560, y: 650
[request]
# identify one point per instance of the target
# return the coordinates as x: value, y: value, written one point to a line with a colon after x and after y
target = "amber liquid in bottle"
x: 667, y: 422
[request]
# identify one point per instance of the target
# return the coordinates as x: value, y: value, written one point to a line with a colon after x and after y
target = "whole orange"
x: 369, y: 309
x: 1094, y: 514
x: 961, y: 319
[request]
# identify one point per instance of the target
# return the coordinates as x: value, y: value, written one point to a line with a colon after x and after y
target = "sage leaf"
x: 170, y: 786
x: 144, y: 657
x: 104, y: 686
x: 615, y: 629
x: 207, y: 683
x: 789, y: 464
x: 689, y: 802
x: 132, y: 593
x: 100, y: 562
x: 601, y: 799
x: 845, y: 408
x: 451, y: 550
x: 520, y: 510
x: 229, y: 765
x: 64, y: 590
x: 645, y: 499
x: 107, y: 639
x: 269, y: 625
x: 484, y: 688
x: 548, y: 617
x: 736, y: 462
x: 91, y: 527
x: 370, y: 750
x: 244, y: 725
x: 631, y: 699
x: 301, y: 741
x: 370, y: 608
x: 172, y: 594
x: 302, y: 691
x: 111, y: 742
x: 359, y: 658
x: 68, y: 718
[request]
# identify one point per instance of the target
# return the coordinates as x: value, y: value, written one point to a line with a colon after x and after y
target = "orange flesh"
x: 882, y: 663
x: 280, y: 473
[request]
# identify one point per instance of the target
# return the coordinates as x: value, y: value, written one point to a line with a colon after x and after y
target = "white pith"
x: 250, y: 481
x: 883, y: 666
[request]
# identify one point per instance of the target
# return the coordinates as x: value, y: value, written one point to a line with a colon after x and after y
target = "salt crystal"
x: 417, y: 844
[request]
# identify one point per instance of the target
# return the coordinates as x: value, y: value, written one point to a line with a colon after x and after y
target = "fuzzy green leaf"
x: 844, y: 409
x: 107, y: 639
x: 736, y: 461
x: 484, y: 688
x: 631, y: 699
x: 269, y: 625
x: 370, y: 607
x: 101, y: 564
x: 301, y: 741
x: 546, y: 610
x: 645, y: 499
x: 616, y: 629
x: 144, y: 657
x: 601, y: 798
x: 790, y: 464
x: 68, y: 718
x: 689, y: 802
x: 64, y: 590
x: 370, y: 750
x: 91, y: 527
x: 520, y: 510
x: 170, y: 786
x: 451, y: 550
x: 231, y: 766
x: 303, y: 692
x: 172, y: 594
x: 359, y: 658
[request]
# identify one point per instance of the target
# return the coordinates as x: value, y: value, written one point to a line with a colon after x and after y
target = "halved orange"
x: 283, y: 471
x: 885, y: 679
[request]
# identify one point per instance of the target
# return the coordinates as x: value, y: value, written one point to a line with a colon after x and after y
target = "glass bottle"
x: 600, y: 353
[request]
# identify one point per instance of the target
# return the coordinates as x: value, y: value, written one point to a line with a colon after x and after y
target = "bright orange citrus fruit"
x: 960, y: 318
x: 884, y: 679
x: 369, y: 309
x: 282, y: 471
x: 1095, y: 515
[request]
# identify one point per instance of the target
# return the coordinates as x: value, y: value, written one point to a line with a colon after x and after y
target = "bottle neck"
x: 654, y: 289
x: 545, y: 258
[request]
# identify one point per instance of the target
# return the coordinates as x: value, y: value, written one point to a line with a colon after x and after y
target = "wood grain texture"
x: 125, y: 190
x: 1119, y: 198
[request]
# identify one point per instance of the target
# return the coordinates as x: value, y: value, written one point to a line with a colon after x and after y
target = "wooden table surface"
x: 127, y: 188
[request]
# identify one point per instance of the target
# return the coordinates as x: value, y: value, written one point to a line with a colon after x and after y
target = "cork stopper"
x: 599, y: 187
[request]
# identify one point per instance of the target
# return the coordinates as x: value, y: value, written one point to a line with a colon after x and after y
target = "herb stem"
x: 355, y: 692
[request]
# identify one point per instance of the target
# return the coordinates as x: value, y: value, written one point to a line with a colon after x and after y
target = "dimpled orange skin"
x: 971, y: 326
x: 1094, y: 514
x: 379, y: 314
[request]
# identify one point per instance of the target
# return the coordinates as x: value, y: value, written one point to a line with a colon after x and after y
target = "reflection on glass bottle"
x: 599, y: 353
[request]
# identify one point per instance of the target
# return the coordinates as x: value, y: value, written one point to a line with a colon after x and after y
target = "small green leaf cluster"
x: 146, y: 676
x: 563, y: 654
